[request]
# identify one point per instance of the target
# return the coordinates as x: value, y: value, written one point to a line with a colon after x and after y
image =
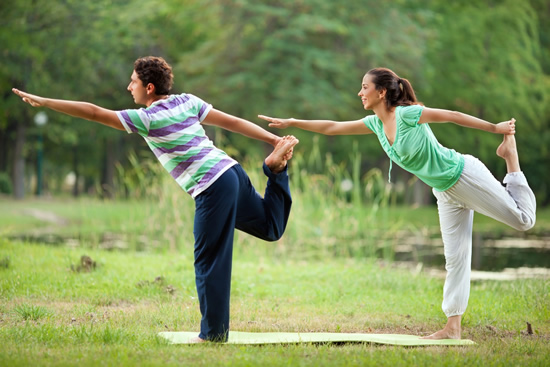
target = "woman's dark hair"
x: 399, y: 92
x: 155, y: 70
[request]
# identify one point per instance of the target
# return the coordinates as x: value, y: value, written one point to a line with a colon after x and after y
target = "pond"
x: 489, y: 253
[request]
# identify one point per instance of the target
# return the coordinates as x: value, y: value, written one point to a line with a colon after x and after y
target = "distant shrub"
x: 5, y: 183
x: 5, y: 263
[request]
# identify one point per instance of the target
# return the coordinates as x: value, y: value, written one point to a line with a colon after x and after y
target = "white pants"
x: 477, y: 190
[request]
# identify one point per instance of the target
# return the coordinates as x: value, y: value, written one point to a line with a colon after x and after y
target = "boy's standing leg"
x: 214, y: 227
x: 215, y: 221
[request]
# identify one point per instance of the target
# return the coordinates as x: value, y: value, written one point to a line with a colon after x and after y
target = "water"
x: 488, y: 254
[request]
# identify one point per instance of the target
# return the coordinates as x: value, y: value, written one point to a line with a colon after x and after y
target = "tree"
x: 486, y: 61
x: 92, y: 62
x: 301, y: 58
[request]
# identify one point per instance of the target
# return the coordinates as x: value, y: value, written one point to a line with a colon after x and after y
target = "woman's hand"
x: 275, y: 122
x: 506, y: 127
x: 31, y: 99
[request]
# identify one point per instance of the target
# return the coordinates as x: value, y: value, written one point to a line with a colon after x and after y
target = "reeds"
x: 338, y: 210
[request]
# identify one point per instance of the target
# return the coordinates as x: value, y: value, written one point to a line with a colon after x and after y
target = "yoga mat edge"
x: 240, y: 337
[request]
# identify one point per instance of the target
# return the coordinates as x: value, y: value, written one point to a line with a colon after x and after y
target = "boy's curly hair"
x: 155, y: 70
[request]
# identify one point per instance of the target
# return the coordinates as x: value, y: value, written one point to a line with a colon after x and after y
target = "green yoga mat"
x: 239, y: 337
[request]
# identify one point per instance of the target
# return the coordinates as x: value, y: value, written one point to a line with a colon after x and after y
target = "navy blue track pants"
x: 232, y: 202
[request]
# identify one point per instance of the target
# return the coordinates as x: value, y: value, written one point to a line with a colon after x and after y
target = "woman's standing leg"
x: 456, y: 223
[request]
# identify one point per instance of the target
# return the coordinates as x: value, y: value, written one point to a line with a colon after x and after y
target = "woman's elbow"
x: 456, y: 116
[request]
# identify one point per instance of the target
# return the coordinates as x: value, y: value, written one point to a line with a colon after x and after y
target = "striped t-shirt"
x: 172, y: 129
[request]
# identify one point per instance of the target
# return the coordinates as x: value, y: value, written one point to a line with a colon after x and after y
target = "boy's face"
x: 139, y: 92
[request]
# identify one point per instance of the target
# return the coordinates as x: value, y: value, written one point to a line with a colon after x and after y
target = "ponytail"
x: 407, y: 96
x: 399, y: 91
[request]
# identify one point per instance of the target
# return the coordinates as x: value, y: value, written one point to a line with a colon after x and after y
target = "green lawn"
x: 52, y: 314
x: 316, y: 228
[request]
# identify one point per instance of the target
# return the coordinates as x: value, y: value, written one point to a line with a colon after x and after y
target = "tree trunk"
x: 421, y: 193
x: 108, y: 174
x: 4, y: 147
x: 76, y: 173
x: 19, y: 162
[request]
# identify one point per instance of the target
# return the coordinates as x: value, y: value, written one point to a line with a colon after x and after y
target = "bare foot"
x: 507, y: 147
x: 508, y: 151
x: 197, y: 340
x: 282, y: 152
x: 450, y: 331
x: 443, y: 334
x: 288, y: 156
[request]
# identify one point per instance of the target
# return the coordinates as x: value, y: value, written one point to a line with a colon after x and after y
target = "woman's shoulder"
x: 410, y: 108
x: 371, y: 121
x: 409, y: 114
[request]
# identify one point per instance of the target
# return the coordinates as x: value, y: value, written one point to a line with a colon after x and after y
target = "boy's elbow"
x: 331, y: 130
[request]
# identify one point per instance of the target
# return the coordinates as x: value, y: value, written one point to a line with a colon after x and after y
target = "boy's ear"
x: 150, y: 88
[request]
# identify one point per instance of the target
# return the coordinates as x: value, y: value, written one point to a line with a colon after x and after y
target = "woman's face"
x: 370, y: 97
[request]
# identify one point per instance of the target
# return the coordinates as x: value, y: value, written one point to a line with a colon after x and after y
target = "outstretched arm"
x: 462, y: 119
x: 82, y: 110
x: 239, y: 125
x: 325, y: 127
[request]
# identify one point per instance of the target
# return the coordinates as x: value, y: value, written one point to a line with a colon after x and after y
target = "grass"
x: 316, y: 228
x: 31, y: 312
x: 53, y: 315
x: 321, y: 276
x: 327, y: 220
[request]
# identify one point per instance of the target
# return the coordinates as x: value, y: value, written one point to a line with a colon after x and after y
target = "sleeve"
x: 201, y: 108
x: 410, y: 115
x: 370, y: 122
x: 134, y: 121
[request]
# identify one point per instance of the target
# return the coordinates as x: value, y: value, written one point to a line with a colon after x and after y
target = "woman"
x: 461, y: 183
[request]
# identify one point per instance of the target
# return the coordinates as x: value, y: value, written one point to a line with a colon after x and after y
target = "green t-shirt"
x: 417, y: 150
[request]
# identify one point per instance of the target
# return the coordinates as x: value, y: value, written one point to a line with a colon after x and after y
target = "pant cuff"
x: 454, y: 313
x: 275, y: 176
x: 515, y: 178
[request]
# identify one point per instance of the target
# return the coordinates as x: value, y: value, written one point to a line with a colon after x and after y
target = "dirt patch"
x: 76, y: 313
x: 46, y: 216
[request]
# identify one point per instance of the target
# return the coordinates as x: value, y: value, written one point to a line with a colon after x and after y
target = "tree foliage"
x: 300, y: 58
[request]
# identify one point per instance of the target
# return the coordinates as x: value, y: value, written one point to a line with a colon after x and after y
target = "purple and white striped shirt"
x: 172, y: 129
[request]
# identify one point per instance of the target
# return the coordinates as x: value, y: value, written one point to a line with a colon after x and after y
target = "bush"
x: 5, y: 183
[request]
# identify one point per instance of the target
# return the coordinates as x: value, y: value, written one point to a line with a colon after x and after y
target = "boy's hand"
x: 31, y: 99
